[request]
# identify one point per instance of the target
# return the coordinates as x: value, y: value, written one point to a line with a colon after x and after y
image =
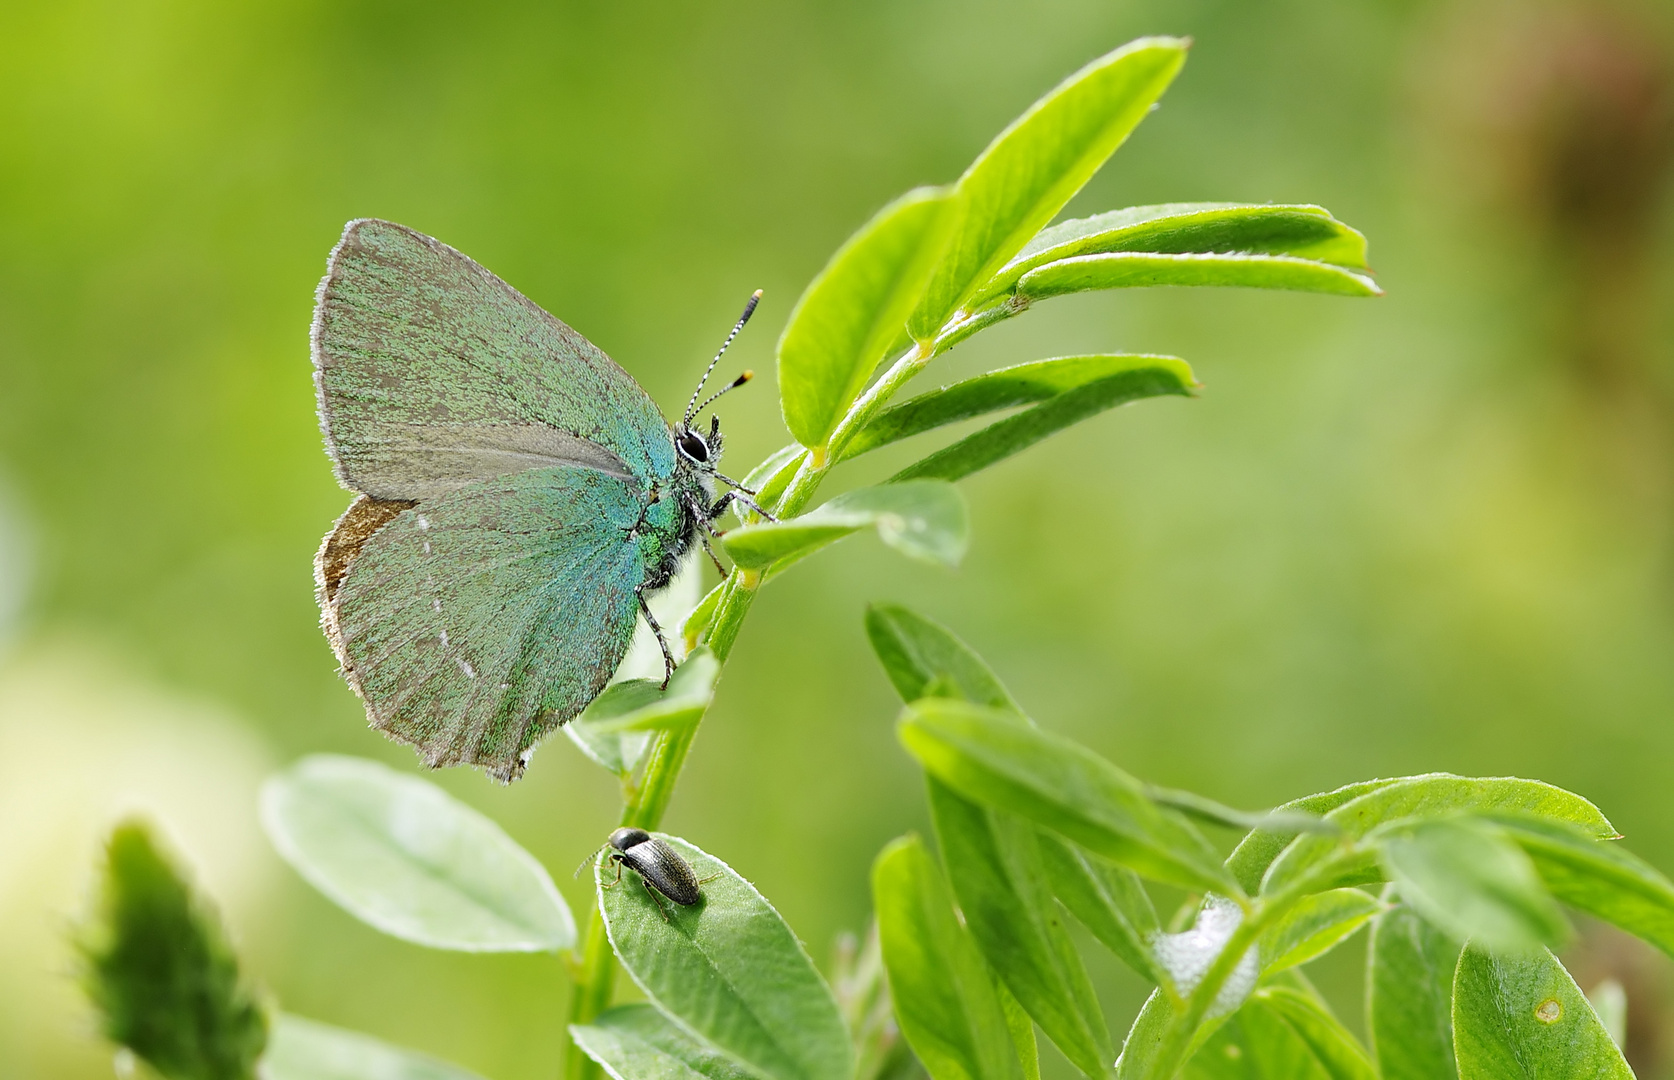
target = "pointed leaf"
x: 1023, y: 384
x: 925, y: 520
x: 403, y: 856
x: 1150, y: 1028
x: 636, y: 1042
x: 1022, y: 1031
x: 855, y: 308
x: 1109, y: 900
x: 1409, y: 995
x: 992, y: 758
x: 1134, y: 269
x: 994, y: 863
x: 1256, y: 852
x: 308, y: 1050
x: 1598, y: 877
x: 727, y: 969
x: 617, y: 727
x: 1466, y: 876
x: 1336, y: 1052
x: 1428, y: 796
x: 695, y: 627
x: 944, y: 997
x: 1315, y: 926
x: 1027, y: 174
x: 916, y: 651
x: 1001, y: 440
x: 1523, y: 1018
x: 1305, y: 232
x: 769, y: 480
x: 1254, y: 1045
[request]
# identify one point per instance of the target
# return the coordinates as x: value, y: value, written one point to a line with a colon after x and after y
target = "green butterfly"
x: 519, y: 495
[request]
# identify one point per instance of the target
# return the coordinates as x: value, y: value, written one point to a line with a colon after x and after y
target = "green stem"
x: 596, y: 969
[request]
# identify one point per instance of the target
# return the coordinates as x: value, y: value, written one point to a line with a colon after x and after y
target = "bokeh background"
x: 1431, y: 531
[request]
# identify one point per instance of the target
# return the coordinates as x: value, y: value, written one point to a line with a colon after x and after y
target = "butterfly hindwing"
x: 433, y: 373
x: 474, y: 623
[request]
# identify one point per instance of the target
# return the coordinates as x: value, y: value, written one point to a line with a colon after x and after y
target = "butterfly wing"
x: 433, y: 373
x: 473, y: 624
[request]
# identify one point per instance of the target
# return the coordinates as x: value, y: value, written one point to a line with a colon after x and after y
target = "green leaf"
x: 925, y: 520
x: 1023, y: 384
x: 1305, y: 232
x: 1211, y: 812
x: 1135, y: 269
x: 855, y: 308
x: 1256, y: 852
x: 728, y: 970
x: 307, y: 1050
x: 769, y: 480
x: 1022, y: 1031
x: 1337, y: 1053
x: 1001, y: 440
x: 992, y: 758
x: 1468, y: 877
x: 1109, y: 900
x: 1150, y: 1029
x: 994, y: 863
x: 617, y: 727
x: 636, y: 1042
x: 1523, y: 1017
x: 1428, y: 796
x: 1409, y: 995
x: 1027, y: 174
x: 695, y: 627
x: 916, y: 652
x: 405, y: 857
x: 944, y: 997
x: 1598, y: 877
x: 159, y: 970
x: 1315, y: 926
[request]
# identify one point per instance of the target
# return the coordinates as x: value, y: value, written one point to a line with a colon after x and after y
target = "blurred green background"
x: 1426, y: 532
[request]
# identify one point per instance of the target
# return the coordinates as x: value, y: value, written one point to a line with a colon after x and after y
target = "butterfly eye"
x: 692, y: 445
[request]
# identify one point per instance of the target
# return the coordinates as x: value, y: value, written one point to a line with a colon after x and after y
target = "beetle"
x: 661, y: 869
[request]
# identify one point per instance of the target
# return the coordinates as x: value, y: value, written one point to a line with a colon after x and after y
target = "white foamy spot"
x: 427, y: 547
x: 1188, y: 956
x: 465, y: 666
x: 436, y: 606
x: 443, y: 638
x: 424, y: 522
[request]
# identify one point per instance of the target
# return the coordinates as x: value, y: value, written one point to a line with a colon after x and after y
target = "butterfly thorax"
x: 669, y: 524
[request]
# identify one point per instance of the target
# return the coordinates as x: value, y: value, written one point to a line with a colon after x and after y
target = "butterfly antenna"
x: 692, y: 406
x: 733, y: 385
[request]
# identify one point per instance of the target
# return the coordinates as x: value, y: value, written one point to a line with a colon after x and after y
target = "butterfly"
x: 518, y: 496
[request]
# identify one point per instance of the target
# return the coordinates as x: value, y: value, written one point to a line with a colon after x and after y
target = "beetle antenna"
x: 749, y: 309
x: 733, y: 385
x: 593, y: 858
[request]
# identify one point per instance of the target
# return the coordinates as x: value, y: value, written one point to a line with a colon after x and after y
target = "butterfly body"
x: 519, y: 494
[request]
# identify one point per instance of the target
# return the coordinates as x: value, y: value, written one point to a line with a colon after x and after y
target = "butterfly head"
x: 697, y: 448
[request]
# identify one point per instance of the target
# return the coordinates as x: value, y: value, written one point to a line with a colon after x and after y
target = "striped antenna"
x: 692, y: 406
x: 733, y: 385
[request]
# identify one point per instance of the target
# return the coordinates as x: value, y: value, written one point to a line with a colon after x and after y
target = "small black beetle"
x: 660, y: 867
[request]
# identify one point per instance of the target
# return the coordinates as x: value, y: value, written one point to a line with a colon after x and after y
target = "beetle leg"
x: 707, y: 880
x: 653, y: 895
x: 618, y: 879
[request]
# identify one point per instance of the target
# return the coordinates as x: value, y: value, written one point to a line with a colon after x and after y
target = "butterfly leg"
x: 730, y: 497
x: 662, y: 642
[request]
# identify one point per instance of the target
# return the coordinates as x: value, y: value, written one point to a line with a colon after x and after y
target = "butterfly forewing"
x: 433, y: 373
x: 475, y: 623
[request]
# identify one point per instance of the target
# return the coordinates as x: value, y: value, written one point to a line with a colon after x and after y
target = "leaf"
x: 1306, y: 232
x: 1427, y: 796
x: 769, y: 480
x: 1256, y: 852
x: 991, y: 758
x: 994, y: 864
x: 1023, y: 384
x: 1337, y: 1053
x: 617, y: 727
x: 1211, y: 812
x: 925, y: 520
x: 855, y: 308
x: 1523, y: 1017
x: 1409, y: 995
x: 1035, y: 165
x: 1022, y: 1030
x: 916, y: 651
x: 728, y: 970
x: 695, y: 627
x: 1315, y: 926
x: 1001, y: 440
x: 308, y: 1050
x: 1598, y: 877
x: 157, y: 966
x: 1467, y: 877
x: 636, y: 1042
x: 1109, y: 900
x: 1135, y: 269
x: 406, y: 858
x: 1148, y: 1032
x: 944, y: 997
